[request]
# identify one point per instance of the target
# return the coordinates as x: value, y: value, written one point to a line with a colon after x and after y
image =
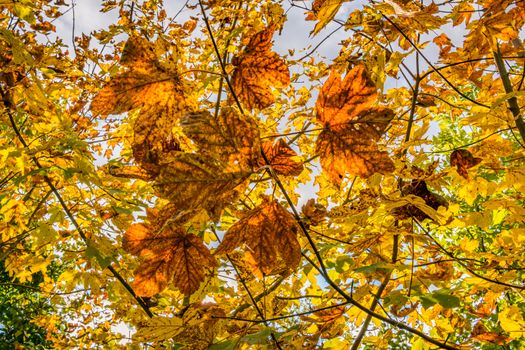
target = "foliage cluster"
x: 177, y: 176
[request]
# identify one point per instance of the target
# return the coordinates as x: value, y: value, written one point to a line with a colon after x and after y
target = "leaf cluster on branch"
x: 151, y: 174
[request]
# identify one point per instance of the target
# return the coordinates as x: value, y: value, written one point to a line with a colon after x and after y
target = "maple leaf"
x: 231, y: 137
x: 326, y: 315
x: 270, y: 233
x: 170, y: 253
x: 281, y: 158
x: 156, y: 90
x: 352, y: 148
x: 192, y: 181
x: 480, y: 333
x: 144, y: 83
x: 348, y: 143
x: 462, y: 159
x: 341, y: 100
x: 202, y: 324
x: 258, y: 68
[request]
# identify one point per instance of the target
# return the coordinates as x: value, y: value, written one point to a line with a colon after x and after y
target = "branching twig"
x: 65, y: 208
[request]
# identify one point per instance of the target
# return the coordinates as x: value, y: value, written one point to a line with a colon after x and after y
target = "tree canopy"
x: 194, y: 176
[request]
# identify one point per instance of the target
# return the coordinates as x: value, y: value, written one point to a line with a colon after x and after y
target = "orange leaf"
x: 281, y: 158
x: 326, y: 315
x: 480, y: 333
x: 145, y: 83
x: 270, y: 233
x: 463, y: 160
x: 231, y: 137
x: 169, y: 254
x: 352, y: 148
x: 343, y: 100
x: 156, y: 90
x: 258, y: 68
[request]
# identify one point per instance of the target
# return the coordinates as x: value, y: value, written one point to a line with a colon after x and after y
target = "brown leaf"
x: 480, y: 333
x: 281, y: 157
x: 315, y: 213
x: 270, y: 233
x: 257, y: 69
x: 420, y: 189
x: 352, y: 148
x: 152, y: 276
x: 169, y: 253
x: 192, y: 181
x: 231, y: 137
x: 348, y: 144
x: 462, y: 159
x: 340, y: 100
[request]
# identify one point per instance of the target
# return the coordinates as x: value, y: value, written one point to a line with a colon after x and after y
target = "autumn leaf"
x: 270, y: 233
x: 314, y: 213
x: 157, y: 91
x: 463, y: 160
x: 480, y: 333
x: 352, y: 148
x: 159, y: 329
x: 192, y: 181
x: 202, y: 323
x: 341, y: 100
x: 231, y: 137
x: 169, y: 254
x: 281, y: 157
x: 352, y: 127
x: 326, y: 315
x: 324, y: 11
x: 144, y: 83
x: 257, y: 69
x: 196, y: 328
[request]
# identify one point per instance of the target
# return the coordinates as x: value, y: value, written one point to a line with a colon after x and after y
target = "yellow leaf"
x: 159, y: 329
x: 326, y: 11
x: 511, y: 320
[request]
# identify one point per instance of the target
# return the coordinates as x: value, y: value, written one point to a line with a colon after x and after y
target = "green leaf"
x: 93, y: 253
x: 370, y: 269
x: 224, y: 345
x: 441, y: 297
x: 445, y: 299
x: 260, y: 337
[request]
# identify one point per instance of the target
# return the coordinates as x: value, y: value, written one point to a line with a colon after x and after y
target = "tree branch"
x: 513, y: 101
x: 65, y: 208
